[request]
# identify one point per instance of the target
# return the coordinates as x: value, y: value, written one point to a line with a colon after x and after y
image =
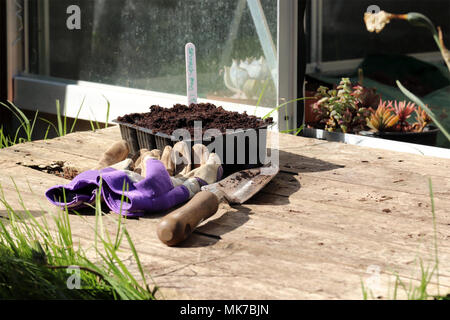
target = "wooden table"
x: 336, y: 215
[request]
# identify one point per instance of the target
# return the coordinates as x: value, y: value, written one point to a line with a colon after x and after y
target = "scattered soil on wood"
x: 167, y: 120
x: 56, y: 168
x: 237, y: 178
x: 240, y: 179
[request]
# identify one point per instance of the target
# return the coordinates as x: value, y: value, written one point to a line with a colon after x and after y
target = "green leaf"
x: 420, y: 103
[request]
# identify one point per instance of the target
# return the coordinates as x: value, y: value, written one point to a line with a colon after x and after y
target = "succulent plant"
x: 383, y: 118
x: 367, y: 97
x: 392, y: 116
x: 343, y: 109
x: 404, y: 110
x: 246, y: 78
x: 422, y: 120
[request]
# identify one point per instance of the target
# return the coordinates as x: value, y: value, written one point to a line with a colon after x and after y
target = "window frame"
x: 32, y: 92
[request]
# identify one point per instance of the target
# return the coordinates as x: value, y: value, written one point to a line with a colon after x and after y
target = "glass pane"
x: 345, y: 35
x: 140, y: 44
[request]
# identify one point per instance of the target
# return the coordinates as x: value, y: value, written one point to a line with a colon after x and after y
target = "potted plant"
x: 310, y: 116
x: 345, y: 108
x: 391, y: 121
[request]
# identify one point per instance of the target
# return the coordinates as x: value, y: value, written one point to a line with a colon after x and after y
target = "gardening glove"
x: 138, y: 161
x: 207, y: 170
x: 180, y: 159
x: 78, y: 194
x: 149, y: 188
x: 176, y: 160
x: 116, y: 153
x: 133, y: 195
x: 140, y: 164
x: 82, y: 190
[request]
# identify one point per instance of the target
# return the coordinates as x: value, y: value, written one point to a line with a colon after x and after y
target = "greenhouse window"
x: 131, y: 53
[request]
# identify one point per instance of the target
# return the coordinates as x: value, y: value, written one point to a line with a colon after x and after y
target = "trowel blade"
x: 242, y: 185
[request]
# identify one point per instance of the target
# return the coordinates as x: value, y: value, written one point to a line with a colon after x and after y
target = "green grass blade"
x: 65, y: 121
x: 17, y: 132
x: 17, y: 112
x: 32, y: 126
x: 92, y: 125
x: 24, y: 121
x: 51, y: 124
x: 136, y: 257
x: 284, y: 105
x: 58, y: 117
x: 46, y: 132
x: 261, y: 95
x: 108, y: 108
x: 436, y: 253
x: 78, y: 114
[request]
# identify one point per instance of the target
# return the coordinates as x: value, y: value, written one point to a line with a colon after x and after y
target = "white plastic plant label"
x: 191, y: 73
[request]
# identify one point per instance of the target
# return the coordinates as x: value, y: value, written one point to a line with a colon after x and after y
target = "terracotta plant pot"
x: 310, y: 117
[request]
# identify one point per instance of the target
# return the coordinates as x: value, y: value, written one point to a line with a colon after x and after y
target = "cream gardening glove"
x: 117, y: 153
x: 206, y: 168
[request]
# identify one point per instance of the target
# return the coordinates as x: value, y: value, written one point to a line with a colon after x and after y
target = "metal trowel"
x: 236, y: 189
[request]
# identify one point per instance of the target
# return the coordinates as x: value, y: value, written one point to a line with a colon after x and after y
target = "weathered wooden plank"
x: 381, y: 177
x: 79, y: 150
x: 79, y: 147
x: 308, y: 236
x: 342, y: 154
x: 369, y: 212
x: 256, y: 243
x: 33, y: 155
x: 293, y: 188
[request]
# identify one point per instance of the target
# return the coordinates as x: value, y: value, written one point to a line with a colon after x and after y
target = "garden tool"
x: 236, y: 189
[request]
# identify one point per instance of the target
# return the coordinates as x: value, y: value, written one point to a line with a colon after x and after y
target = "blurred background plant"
x: 62, y: 125
x: 378, y: 21
x: 383, y: 118
x: 247, y: 78
x: 345, y: 108
x: 393, y: 116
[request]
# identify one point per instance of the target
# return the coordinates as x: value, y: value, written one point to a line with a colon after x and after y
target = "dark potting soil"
x: 167, y: 120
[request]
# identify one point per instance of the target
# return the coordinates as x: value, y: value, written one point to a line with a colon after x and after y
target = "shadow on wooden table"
x: 277, y: 192
x: 227, y: 220
x: 295, y: 163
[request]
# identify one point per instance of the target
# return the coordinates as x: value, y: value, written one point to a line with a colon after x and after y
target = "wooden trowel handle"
x: 178, y: 225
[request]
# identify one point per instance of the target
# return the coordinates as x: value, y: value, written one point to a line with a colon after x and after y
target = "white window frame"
x: 32, y: 92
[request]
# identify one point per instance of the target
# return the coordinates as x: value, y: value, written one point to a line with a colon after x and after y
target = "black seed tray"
x: 143, y: 138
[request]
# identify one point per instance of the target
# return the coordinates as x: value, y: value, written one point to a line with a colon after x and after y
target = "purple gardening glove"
x: 78, y: 193
x: 132, y: 195
x: 153, y: 193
